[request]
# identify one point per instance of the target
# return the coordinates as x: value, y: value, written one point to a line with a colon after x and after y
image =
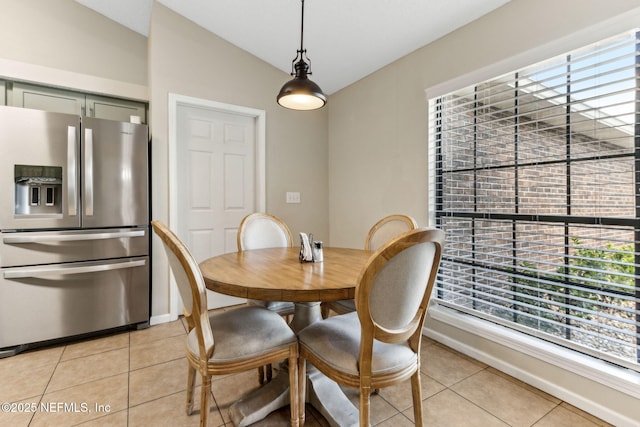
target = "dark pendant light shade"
x: 300, y: 93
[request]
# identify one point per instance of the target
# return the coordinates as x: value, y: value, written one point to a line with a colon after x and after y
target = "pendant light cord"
x: 302, y: 29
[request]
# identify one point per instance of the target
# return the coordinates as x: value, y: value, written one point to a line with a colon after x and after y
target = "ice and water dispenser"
x: 38, y: 190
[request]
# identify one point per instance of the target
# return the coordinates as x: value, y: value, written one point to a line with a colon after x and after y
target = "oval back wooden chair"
x: 262, y: 230
x: 228, y: 341
x: 381, y: 233
x: 388, y: 228
x: 379, y: 344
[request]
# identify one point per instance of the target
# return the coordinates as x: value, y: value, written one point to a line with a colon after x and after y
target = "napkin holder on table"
x: 306, y: 251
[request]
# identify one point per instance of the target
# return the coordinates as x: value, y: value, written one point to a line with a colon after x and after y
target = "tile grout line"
x: 44, y: 391
x: 481, y: 408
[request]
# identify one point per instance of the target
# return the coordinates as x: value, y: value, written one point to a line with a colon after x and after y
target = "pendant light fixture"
x: 301, y: 93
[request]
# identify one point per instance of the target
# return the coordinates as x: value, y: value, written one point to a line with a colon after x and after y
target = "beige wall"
x: 378, y: 139
x: 187, y: 60
x: 64, y: 35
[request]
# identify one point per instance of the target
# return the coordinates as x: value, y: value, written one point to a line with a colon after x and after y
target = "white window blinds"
x: 537, y: 185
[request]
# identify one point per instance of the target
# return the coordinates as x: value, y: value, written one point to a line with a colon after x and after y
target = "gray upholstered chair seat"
x: 283, y: 308
x: 245, y: 333
x: 337, y: 341
x: 344, y: 306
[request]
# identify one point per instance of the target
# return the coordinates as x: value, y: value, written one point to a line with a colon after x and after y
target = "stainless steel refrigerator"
x: 74, y: 226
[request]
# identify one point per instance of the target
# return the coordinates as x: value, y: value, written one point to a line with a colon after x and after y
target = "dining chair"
x: 378, y: 345
x: 382, y: 231
x: 261, y: 230
x: 229, y: 341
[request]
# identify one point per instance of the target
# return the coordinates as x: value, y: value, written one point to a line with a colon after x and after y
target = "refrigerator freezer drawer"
x: 48, y: 247
x: 56, y: 301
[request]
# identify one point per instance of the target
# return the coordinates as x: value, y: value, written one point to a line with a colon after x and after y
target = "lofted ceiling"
x: 345, y: 39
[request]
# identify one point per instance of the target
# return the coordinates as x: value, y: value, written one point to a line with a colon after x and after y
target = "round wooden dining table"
x: 276, y: 274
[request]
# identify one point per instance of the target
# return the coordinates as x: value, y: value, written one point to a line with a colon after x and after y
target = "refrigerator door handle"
x: 88, y: 172
x: 72, y: 173
x: 49, y: 238
x: 57, y: 270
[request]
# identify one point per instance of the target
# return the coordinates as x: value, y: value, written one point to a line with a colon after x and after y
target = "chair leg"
x: 302, y: 389
x: 269, y: 372
x: 365, y: 404
x: 204, y: 400
x: 265, y: 374
x: 294, y: 399
x: 417, y: 397
x: 324, y: 310
x: 191, y: 386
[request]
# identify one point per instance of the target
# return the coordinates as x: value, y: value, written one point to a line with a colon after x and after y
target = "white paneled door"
x: 216, y: 152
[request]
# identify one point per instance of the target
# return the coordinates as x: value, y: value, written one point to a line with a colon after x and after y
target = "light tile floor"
x: 138, y: 378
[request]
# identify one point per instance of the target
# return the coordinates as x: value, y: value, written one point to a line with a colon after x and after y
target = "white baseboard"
x: 163, y: 318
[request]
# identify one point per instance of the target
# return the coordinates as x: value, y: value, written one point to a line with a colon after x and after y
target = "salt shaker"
x: 318, y: 255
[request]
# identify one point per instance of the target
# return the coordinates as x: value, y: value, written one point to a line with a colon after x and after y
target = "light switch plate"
x: 293, y: 197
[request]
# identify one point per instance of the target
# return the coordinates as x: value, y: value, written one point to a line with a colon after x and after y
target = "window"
x: 537, y: 185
